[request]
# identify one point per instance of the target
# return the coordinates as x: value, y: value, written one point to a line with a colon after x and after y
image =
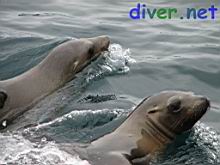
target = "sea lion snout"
x: 101, y: 43
x: 205, y: 102
x: 201, y: 105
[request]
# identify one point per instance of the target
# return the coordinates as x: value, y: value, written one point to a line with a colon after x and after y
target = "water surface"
x: 169, y: 54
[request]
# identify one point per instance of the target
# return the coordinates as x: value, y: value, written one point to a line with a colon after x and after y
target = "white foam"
x: 77, y: 113
x: 116, y: 61
x: 17, y: 150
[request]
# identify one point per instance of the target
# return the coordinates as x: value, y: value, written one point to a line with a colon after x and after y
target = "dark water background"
x: 169, y: 54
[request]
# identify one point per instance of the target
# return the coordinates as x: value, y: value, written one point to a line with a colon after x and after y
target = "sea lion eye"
x: 174, y: 106
x: 152, y: 111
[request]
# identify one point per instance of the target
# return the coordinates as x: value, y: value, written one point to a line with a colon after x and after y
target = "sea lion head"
x: 158, y: 119
x: 71, y: 57
x: 100, y: 43
x: 176, y: 111
x: 89, y: 50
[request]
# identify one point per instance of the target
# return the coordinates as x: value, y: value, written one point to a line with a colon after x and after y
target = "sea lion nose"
x: 205, y: 101
x: 106, y: 43
x: 101, y: 43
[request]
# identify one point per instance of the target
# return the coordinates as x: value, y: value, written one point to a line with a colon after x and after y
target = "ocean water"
x: 146, y: 57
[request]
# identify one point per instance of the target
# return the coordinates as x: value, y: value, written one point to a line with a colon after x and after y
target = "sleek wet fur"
x: 60, y: 66
x: 154, y: 123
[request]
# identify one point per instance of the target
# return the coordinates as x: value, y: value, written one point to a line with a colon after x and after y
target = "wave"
x: 15, y: 149
x: 200, y: 146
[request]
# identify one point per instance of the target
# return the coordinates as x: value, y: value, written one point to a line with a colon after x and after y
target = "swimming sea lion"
x: 60, y: 66
x: 154, y: 123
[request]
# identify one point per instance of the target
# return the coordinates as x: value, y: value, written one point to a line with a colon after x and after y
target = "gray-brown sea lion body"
x: 154, y: 123
x: 60, y: 66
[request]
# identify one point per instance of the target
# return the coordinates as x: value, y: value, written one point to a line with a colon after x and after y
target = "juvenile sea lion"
x: 154, y: 123
x: 60, y: 66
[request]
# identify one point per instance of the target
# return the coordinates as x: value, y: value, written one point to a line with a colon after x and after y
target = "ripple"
x: 42, y: 14
x: 84, y: 118
x: 97, y: 98
x: 78, y: 125
x: 202, y: 146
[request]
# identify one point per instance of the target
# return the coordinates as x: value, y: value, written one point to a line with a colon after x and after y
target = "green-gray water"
x: 169, y: 54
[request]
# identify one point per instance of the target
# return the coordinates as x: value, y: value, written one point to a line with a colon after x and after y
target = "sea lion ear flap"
x: 3, y: 98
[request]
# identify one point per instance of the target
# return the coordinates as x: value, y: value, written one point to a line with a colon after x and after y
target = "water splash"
x: 116, y: 61
x: 77, y: 126
x: 90, y: 118
x: 15, y: 149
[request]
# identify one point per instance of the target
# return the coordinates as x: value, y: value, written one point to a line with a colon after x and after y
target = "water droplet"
x: 4, y: 123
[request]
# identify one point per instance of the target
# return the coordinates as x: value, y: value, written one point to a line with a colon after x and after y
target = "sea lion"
x: 60, y: 66
x: 154, y: 123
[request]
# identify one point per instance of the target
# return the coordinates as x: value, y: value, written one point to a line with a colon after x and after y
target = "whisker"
x: 181, y: 120
x: 175, y: 123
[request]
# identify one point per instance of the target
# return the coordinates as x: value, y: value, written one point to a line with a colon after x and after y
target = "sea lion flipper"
x: 3, y: 98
